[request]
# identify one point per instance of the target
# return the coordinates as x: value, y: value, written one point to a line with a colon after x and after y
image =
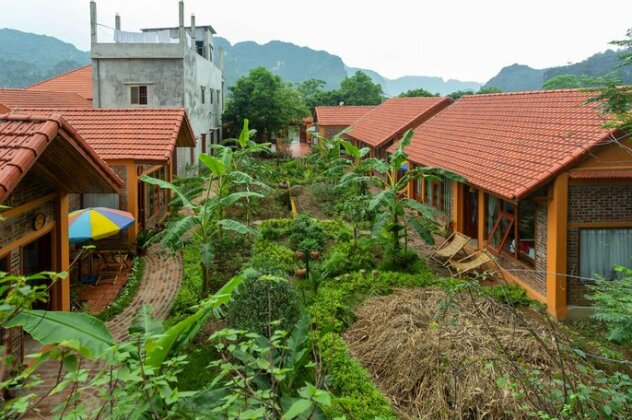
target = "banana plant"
x: 395, y: 211
x: 244, y: 147
x: 206, y: 220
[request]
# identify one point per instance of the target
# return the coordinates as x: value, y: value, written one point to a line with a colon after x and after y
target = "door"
x: 37, y: 256
x: 141, y: 205
x: 470, y: 211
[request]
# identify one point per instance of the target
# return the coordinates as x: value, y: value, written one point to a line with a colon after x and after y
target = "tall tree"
x: 459, y: 93
x: 417, y: 93
x: 263, y: 98
x: 490, y: 89
x: 563, y: 81
x: 359, y: 89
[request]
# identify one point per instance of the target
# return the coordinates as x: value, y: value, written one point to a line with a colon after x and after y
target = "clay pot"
x: 300, y: 273
x: 299, y: 255
x: 314, y: 254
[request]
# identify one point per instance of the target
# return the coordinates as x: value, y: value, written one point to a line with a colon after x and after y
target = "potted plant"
x: 300, y: 273
x: 143, y: 240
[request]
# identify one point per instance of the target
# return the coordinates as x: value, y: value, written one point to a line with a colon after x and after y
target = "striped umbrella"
x: 97, y: 223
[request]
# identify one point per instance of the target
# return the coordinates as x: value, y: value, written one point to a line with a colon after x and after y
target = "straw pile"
x: 436, y: 357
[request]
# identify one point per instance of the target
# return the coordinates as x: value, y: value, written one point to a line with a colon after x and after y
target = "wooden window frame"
x: 140, y: 96
x: 501, y: 244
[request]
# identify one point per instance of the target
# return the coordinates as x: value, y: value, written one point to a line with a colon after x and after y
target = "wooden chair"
x: 450, y: 247
x: 111, y: 264
x: 471, y: 262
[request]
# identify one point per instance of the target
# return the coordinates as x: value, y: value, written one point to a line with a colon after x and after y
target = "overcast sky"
x: 460, y: 39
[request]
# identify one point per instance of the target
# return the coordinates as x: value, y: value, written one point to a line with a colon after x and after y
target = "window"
x: 138, y: 95
x: 501, y: 232
x: 217, y: 95
x: 203, y: 143
x: 211, y: 96
x: 601, y: 249
x: 199, y: 47
x: 203, y: 89
x: 157, y: 196
x: 101, y: 200
x: 438, y: 194
x: 5, y: 263
x: 447, y: 196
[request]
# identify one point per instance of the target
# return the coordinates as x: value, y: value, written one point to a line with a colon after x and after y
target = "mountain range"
x: 26, y: 58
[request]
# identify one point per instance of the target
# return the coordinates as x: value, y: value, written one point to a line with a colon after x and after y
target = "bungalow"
x: 382, y: 126
x: 548, y: 189
x: 42, y: 161
x: 331, y: 120
x: 11, y: 99
x: 133, y: 142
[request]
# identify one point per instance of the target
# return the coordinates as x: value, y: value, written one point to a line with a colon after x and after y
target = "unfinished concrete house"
x: 162, y: 67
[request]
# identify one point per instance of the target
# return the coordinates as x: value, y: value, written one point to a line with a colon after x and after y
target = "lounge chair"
x: 471, y: 262
x: 448, y: 249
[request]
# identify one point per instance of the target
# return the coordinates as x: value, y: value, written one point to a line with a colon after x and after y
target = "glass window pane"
x: 134, y: 95
x: 142, y: 95
x: 601, y: 249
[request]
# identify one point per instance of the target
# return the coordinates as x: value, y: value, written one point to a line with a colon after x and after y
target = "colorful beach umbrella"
x: 97, y: 223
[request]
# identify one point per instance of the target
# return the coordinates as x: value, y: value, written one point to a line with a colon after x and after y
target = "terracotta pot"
x: 300, y: 273
x: 299, y: 255
x: 314, y: 254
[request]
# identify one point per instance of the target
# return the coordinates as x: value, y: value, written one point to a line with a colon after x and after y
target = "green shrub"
x: 404, y: 260
x: 613, y: 305
x: 191, y: 288
x: 260, y: 300
x: 127, y: 292
x: 355, y: 394
x: 272, y: 258
x: 306, y: 228
x: 509, y: 294
x: 345, y: 258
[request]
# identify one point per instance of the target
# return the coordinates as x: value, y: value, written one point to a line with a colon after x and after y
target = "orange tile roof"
x: 25, y: 142
x: 77, y: 81
x: 615, y: 174
x: 510, y: 143
x: 12, y: 99
x: 393, y: 117
x: 340, y: 116
x: 141, y: 134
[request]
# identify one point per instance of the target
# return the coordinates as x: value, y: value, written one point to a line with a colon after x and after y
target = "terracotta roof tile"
x: 393, y: 117
x: 142, y: 134
x: 615, y: 174
x: 13, y: 99
x: 340, y: 115
x: 77, y: 81
x: 510, y: 143
x: 24, y: 139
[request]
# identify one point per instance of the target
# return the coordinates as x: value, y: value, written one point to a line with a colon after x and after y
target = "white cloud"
x: 467, y: 40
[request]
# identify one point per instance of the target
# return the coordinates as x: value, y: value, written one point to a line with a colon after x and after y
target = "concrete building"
x: 162, y: 67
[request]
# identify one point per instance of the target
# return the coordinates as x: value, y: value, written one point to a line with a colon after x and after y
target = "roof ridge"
x: 58, y: 75
x: 525, y: 92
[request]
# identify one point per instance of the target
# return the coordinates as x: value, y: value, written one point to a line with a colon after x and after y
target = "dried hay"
x: 437, y: 357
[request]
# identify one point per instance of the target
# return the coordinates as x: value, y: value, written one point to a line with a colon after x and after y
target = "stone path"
x: 162, y: 278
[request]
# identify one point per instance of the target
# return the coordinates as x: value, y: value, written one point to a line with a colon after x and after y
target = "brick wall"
x: 30, y: 188
x: 121, y: 171
x: 74, y: 202
x: 14, y: 228
x: 590, y: 204
x: 331, y: 131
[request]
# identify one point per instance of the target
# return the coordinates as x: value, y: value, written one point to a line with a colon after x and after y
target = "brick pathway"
x: 162, y: 278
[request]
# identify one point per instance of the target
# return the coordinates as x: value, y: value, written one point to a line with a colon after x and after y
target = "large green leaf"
x: 169, y: 186
x: 231, y: 199
x: 145, y: 324
x: 351, y: 149
x: 179, y: 335
x: 244, y: 136
x: 235, y: 226
x: 379, y: 199
x: 215, y: 165
x: 423, y: 231
x: 85, y: 333
x: 172, y: 237
x: 423, y: 209
x: 380, y: 221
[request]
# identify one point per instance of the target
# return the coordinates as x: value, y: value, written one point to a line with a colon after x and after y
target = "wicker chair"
x: 448, y: 249
x: 471, y: 262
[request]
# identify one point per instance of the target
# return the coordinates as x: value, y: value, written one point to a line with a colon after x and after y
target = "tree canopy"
x: 417, y: 93
x: 563, y: 81
x: 359, y: 89
x: 263, y: 98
